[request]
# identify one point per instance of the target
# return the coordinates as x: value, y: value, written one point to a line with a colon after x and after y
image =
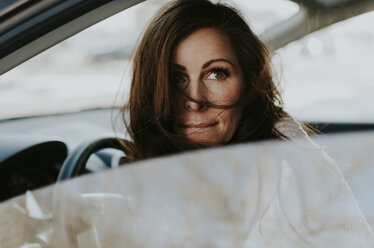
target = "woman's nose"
x: 192, y: 105
x: 196, y: 97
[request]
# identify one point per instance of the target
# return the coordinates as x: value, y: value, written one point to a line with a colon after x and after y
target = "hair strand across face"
x: 153, y: 94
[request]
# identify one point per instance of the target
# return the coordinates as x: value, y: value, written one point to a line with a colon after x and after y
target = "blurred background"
x: 326, y: 76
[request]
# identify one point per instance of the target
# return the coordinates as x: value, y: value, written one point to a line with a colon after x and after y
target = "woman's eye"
x: 217, y: 75
x: 179, y: 78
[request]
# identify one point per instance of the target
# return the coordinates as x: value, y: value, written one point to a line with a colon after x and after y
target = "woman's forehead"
x: 201, y: 46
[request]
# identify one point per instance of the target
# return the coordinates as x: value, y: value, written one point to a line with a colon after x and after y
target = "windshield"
x: 91, y: 69
x: 325, y: 76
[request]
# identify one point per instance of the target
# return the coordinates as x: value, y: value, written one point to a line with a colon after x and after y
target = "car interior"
x: 38, y: 150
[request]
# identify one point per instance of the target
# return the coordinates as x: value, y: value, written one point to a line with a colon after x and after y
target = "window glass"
x: 91, y: 69
x: 328, y: 75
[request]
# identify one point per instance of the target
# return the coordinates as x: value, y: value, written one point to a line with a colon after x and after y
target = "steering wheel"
x: 75, y: 163
x: 73, y: 166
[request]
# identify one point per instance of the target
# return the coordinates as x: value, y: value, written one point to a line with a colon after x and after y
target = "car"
x: 47, y: 137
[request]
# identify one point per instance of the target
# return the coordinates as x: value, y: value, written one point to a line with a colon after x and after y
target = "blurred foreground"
x: 269, y: 194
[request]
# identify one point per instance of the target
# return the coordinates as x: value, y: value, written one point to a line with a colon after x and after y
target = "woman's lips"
x: 198, y: 125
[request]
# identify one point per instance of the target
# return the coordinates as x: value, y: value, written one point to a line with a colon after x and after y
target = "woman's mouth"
x: 199, y: 125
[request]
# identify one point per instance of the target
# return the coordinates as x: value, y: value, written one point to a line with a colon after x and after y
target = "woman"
x: 201, y: 78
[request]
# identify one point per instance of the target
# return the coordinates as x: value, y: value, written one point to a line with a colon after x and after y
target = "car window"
x: 91, y: 69
x: 328, y: 75
x: 84, y: 71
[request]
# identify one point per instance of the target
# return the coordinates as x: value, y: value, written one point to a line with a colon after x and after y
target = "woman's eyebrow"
x: 179, y: 67
x: 216, y: 60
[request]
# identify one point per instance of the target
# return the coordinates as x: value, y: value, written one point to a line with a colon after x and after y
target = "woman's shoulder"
x: 292, y: 128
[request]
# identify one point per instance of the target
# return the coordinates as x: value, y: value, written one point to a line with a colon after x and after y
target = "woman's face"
x: 205, y: 68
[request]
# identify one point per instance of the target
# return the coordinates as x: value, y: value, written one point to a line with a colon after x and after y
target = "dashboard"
x: 27, y: 163
x: 33, y: 150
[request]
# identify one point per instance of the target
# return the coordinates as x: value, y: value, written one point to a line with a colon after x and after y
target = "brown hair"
x: 153, y: 94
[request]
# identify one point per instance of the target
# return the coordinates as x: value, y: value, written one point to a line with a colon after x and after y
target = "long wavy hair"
x: 153, y: 94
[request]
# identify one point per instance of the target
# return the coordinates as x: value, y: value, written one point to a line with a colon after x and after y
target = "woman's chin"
x: 202, y: 136
x: 205, y: 140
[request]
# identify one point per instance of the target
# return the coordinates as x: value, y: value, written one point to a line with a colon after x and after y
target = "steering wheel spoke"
x: 75, y: 163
